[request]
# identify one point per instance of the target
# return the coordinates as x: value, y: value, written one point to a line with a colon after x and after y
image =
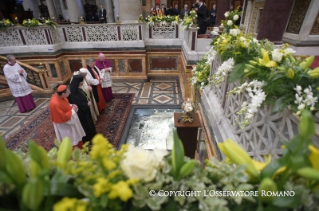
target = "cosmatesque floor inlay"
x: 158, y: 91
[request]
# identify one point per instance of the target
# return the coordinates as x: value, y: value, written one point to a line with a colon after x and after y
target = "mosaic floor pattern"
x: 154, y: 92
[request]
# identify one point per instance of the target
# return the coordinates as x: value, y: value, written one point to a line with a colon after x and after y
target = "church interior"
x: 214, y: 105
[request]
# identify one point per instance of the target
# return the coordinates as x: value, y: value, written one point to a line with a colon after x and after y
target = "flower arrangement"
x: 31, y: 23
x: 230, y: 19
x: 6, y: 23
x: 137, y: 179
x: 200, y: 73
x: 270, y: 75
x: 51, y: 23
x: 161, y: 19
x: 188, y: 20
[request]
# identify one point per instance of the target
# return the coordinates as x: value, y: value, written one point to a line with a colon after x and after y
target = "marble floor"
x: 153, y: 92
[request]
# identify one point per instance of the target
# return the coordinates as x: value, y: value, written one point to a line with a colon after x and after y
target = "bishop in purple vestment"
x: 105, y: 68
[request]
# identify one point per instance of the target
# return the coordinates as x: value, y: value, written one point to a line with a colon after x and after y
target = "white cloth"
x: 106, y: 76
x: 71, y: 128
x: 91, y: 80
x: 18, y: 84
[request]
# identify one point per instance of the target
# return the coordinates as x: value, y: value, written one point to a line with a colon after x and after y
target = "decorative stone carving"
x: 253, y: 18
x: 163, y: 32
x: 62, y: 68
x: 35, y: 36
x: 261, y: 136
x: 297, y: 16
x: 122, y: 65
x: 315, y: 27
x: 129, y: 32
x: 74, y: 34
x: 101, y: 33
x: 135, y: 65
x: 10, y: 37
x: 55, y: 36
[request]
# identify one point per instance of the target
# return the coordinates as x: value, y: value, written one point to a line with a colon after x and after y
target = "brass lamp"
x: 187, y: 107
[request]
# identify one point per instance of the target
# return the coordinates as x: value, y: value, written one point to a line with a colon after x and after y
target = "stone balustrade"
x: 261, y: 137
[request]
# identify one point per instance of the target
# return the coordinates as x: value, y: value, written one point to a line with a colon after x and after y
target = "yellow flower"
x: 314, y: 156
x: 113, y: 174
x: 121, y: 190
x: 108, y: 164
x: 102, y: 186
x: 238, y: 156
x: 65, y: 204
x: 265, y: 60
x: 259, y: 165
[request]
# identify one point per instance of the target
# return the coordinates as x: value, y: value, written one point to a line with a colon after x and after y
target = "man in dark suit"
x: 102, y: 14
x: 201, y: 17
x: 175, y: 10
x: 164, y: 12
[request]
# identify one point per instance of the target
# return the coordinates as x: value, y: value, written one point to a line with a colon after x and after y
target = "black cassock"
x: 79, y: 98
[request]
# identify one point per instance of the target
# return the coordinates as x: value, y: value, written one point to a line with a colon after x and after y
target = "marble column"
x: 222, y: 7
x: 51, y: 8
x: 274, y: 20
x: 58, y: 9
x: 33, y: 6
x: 109, y: 10
x: 73, y: 9
x: 130, y: 10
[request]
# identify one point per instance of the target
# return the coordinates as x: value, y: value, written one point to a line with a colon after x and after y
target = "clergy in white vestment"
x: 20, y: 89
x: 88, y: 91
x: 64, y: 117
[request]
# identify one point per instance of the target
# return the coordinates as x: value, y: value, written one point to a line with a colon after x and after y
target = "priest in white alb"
x: 20, y: 89
x: 64, y: 117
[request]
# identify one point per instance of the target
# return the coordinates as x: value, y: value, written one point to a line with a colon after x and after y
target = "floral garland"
x: 51, y: 23
x: 137, y: 179
x: 6, y: 23
x: 31, y: 23
x: 161, y: 19
x: 230, y: 18
x: 277, y: 76
x: 200, y: 73
x: 188, y: 20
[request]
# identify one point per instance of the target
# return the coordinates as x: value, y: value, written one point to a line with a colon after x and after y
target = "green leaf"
x: 59, y: 177
x: 306, y: 125
x: 63, y: 189
x: 104, y: 200
x: 35, y: 152
x: 5, y: 179
x: 153, y: 204
x: 280, y: 104
x: 76, y: 154
x: 271, y: 168
x: 177, y: 155
x: 287, y: 201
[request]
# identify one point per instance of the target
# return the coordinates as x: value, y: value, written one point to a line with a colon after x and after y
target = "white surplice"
x: 72, y: 128
x: 18, y: 84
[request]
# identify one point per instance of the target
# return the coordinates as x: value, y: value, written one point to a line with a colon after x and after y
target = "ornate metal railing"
x: 262, y: 136
x: 37, y: 78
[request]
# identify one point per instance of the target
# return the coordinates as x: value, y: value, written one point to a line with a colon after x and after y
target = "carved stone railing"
x: 167, y: 31
x: 101, y: 32
x: 261, y: 137
x: 36, y: 78
x: 20, y: 36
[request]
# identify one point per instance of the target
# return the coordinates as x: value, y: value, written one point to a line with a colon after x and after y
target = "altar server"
x: 105, y: 67
x: 64, y: 117
x: 20, y: 89
x: 79, y: 98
